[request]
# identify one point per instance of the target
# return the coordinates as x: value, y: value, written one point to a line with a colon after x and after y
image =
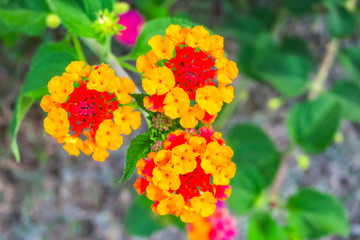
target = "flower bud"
x: 52, y: 20
x: 274, y: 103
x: 303, y: 162
x: 121, y: 7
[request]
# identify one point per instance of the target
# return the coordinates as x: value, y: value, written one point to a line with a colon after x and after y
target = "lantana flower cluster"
x: 189, y: 175
x: 219, y: 226
x: 186, y: 75
x: 86, y: 109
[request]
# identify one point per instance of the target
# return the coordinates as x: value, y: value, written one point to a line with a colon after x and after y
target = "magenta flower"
x: 134, y: 23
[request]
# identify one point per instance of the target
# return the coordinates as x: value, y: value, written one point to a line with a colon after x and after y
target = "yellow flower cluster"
x: 195, y: 69
x: 88, y: 102
x: 189, y: 175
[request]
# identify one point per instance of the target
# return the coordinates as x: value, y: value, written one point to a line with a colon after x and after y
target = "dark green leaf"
x: 152, y: 9
x: 142, y: 221
x: 155, y: 27
x: 25, y: 21
x: 139, y: 99
x: 317, y: 214
x: 349, y: 58
x: 50, y: 60
x: 299, y: 7
x: 93, y: 7
x: 139, y: 148
x: 341, y: 22
x: 73, y: 17
x: 263, y: 227
x: 287, y: 73
x: 257, y: 161
x: 313, y: 124
x: 247, y: 186
x: 348, y: 93
x: 253, y: 147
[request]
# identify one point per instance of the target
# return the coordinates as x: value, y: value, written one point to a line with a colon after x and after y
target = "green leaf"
x: 152, y: 28
x: 317, y: 214
x: 23, y: 104
x: 313, y: 124
x: 152, y: 9
x: 50, y: 60
x: 341, y: 22
x: 252, y: 147
x: 139, y: 99
x: 139, y: 148
x: 73, y: 17
x: 93, y: 7
x: 349, y: 58
x: 263, y: 227
x: 256, y: 52
x: 25, y: 21
x: 256, y: 160
x: 299, y: 48
x: 348, y: 94
x: 142, y: 221
x: 300, y: 7
x: 287, y: 73
x: 247, y: 186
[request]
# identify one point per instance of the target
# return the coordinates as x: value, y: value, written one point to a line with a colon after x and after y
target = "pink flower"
x: 219, y: 226
x: 134, y: 23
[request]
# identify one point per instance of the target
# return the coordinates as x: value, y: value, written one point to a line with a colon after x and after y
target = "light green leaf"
x: 73, y: 17
x: 50, y: 60
x: 25, y: 21
x: 348, y: 94
x: 317, y: 214
x: 262, y: 226
x: 152, y: 28
x: 139, y: 148
x: 349, y: 58
x: 313, y: 124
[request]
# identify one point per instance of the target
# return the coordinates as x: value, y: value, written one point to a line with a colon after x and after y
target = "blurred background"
x: 49, y: 195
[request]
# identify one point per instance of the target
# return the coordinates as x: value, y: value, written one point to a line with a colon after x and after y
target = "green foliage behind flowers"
x: 316, y: 107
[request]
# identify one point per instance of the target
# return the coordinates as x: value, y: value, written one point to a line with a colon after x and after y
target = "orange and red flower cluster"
x: 219, y: 226
x: 189, y: 175
x: 88, y: 103
x: 183, y: 66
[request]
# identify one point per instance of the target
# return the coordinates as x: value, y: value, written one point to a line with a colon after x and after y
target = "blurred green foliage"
x: 265, y: 55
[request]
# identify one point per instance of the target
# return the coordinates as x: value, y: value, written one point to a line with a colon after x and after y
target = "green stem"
x: 107, y: 48
x: 127, y: 66
x: 78, y: 49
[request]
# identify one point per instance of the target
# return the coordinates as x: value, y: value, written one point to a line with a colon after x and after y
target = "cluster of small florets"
x: 220, y: 225
x: 183, y: 66
x: 158, y: 146
x: 89, y: 103
x: 189, y: 175
x: 162, y: 122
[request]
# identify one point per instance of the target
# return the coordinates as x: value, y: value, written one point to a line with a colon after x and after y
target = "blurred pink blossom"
x: 134, y: 23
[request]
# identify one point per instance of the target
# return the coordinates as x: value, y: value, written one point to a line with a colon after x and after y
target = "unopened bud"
x: 121, y: 7
x: 338, y: 138
x: 52, y: 20
x: 274, y: 103
x: 303, y: 162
